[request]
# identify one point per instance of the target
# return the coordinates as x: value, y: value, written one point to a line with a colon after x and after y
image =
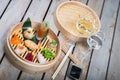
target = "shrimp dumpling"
x: 21, y: 49
x: 29, y: 33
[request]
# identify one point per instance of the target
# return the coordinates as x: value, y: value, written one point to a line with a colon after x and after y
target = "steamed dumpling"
x: 41, y: 58
x: 21, y: 49
x: 29, y: 33
x: 31, y: 45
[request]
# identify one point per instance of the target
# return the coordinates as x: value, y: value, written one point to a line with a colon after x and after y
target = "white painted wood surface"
x: 3, y: 4
x: 99, y: 59
x: 99, y: 62
x: 114, y: 66
x: 12, y: 16
x: 37, y: 10
x: 83, y: 1
x: 96, y: 5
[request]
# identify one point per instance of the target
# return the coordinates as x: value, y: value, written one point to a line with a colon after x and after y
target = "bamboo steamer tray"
x: 68, y: 13
x: 20, y: 62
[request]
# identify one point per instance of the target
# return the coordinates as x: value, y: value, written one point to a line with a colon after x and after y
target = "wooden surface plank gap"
x: 87, y: 2
x: 89, y: 64
x: 102, y: 9
x: 93, y: 49
x: 19, y: 75
x: 43, y: 76
x: 26, y: 10
x: 20, y: 21
x: 2, y: 58
x: 5, y: 9
x: 47, y: 10
x: 110, y: 52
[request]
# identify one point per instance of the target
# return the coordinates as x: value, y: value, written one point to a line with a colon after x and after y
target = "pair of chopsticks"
x: 62, y: 62
x: 71, y: 56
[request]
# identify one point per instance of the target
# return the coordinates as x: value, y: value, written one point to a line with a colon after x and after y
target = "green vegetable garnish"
x: 45, y: 24
x: 26, y: 24
x: 34, y: 39
x: 53, y: 43
x: 48, y: 53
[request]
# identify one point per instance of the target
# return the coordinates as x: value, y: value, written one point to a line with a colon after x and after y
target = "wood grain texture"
x: 8, y: 71
x: 27, y: 76
x: 68, y: 13
x: 96, y: 5
x: 7, y: 21
x: 3, y: 4
x: 37, y: 10
x: 82, y: 51
x: 114, y: 66
x: 99, y: 61
x: 83, y: 1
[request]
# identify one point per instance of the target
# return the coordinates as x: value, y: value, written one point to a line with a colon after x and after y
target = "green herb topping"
x: 53, y: 43
x: 48, y: 53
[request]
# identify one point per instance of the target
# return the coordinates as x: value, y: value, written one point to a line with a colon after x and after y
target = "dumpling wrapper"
x: 41, y: 58
x: 31, y: 45
x: 20, y: 51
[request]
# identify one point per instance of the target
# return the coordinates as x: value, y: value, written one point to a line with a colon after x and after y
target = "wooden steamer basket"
x: 25, y: 65
x: 68, y: 13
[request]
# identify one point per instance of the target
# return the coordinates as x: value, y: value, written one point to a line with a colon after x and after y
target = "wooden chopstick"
x: 71, y: 56
x: 62, y: 62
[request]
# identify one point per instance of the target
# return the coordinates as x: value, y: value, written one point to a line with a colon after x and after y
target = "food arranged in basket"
x: 34, y: 43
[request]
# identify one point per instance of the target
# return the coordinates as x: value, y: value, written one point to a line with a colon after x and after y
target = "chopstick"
x: 71, y: 56
x: 62, y: 62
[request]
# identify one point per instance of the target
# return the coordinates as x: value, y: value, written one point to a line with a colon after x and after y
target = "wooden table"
x: 103, y: 64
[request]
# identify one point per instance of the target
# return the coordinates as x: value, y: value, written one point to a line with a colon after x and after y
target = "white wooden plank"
x: 82, y: 1
x: 36, y: 12
x: 82, y: 51
x: 8, y: 71
x: 96, y: 5
x: 12, y: 16
x: 114, y: 66
x: 99, y: 61
x: 26, y: 76
x: 3, y: 4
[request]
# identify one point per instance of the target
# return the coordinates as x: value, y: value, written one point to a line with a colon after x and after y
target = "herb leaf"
x: 48, y: 53
x: 34, y: 39
x: 46, y: 34
x: 26, y: 24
